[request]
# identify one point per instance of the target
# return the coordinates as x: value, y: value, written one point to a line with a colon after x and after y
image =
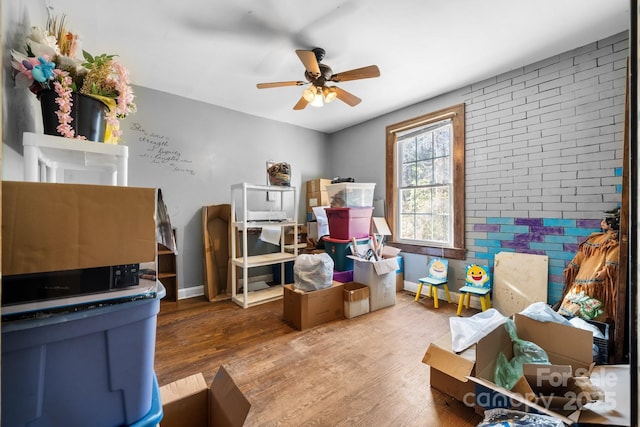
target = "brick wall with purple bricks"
x: 543, y: 155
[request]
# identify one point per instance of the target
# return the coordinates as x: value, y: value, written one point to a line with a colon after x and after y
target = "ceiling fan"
x: 318, y: 75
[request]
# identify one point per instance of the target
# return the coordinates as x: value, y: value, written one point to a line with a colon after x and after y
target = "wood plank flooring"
x: 365, y: 371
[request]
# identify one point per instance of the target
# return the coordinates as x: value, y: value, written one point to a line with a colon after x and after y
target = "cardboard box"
x: 564, y: 345
x: 54, y: 227
x: 380, y: 277
x: 317, y: 198
x: 449, y: 371
x: 356, y: 299
x: 319, y: 184
x: 188, y: 402
x: 304, y: 310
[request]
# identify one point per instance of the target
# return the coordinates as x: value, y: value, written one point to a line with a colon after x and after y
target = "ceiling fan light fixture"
x: 329, y: 94
x: 309, y: 94
x: 317, y: 100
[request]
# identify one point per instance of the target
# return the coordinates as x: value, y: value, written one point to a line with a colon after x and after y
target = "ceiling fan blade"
x: 347, y: 97
x: 280, y: 84
x: 308, y: 58
x: 301, y: 104
x: 358, y: 73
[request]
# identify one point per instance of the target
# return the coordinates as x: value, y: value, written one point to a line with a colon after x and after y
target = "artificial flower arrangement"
x: 49, y: 62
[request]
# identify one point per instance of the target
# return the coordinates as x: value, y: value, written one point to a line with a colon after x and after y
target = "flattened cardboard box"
x: 55, y: 227
x: 188, y: 402
x: 305, y: 310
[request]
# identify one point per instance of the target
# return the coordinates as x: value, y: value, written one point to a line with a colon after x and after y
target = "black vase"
x: 89, y: 115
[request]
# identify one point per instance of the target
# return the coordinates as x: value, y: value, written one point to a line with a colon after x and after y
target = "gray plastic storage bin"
x: 88, y: 368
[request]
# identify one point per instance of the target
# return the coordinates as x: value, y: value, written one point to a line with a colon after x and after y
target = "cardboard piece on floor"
x: 615, y: 409
x: 216, y: 250
x: 189, y: 402
x: 519, y: 280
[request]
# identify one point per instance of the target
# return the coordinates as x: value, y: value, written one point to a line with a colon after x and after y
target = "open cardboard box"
x: 565, y: 346
x: 304, y: 310
x: 189, y: 402
x: 449, y: 371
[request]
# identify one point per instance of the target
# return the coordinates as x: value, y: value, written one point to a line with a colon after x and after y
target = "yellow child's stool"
x: 437, y: 271
x: 478, y: 281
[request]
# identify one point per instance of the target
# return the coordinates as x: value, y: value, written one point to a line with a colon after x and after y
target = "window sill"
x: 449, y: 253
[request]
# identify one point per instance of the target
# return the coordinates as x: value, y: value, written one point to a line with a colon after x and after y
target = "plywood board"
x: 518, y: 281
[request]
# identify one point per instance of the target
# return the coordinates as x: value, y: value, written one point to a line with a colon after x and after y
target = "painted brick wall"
x: 544, y: 155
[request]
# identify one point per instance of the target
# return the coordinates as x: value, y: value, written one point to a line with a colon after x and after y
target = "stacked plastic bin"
x: 92, y: 366
x: 349, y: 217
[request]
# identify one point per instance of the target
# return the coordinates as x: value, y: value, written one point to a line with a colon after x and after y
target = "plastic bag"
x: 541, y: 312
x: 466, y: 331
x: 506, y: 417
x: 312, y: 272
x: 507, y: 373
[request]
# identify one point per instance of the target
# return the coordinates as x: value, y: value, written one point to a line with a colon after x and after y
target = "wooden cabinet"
x: 283, y: 215
x: 167, y: 272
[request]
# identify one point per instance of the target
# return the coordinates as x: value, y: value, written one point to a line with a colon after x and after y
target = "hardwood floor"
x: 364, y: 371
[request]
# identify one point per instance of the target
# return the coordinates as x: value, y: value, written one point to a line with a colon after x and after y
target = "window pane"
x: 442, y: 141
x: 423, y: 227
x: 423, y: 200
x: 408, y: 150
x: 424, y: 172
x: 424, y: 146
x: 441, y: 229
x: 441, y: 202
x: 408, y: 175
x: 407, y: 227
x: 408, y: 204
x: 442, y: 170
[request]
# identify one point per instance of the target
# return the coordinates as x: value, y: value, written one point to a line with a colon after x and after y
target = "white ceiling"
x: 216, y: 51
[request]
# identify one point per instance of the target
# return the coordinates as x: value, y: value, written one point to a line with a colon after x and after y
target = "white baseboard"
x: 455, y: 296
x: 196, y: 291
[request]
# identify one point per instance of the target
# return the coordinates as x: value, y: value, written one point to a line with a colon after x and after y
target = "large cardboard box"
x: 189, y: 402
x: 55, y: 227
x: 449, y: 370
x: 319, y: 184
x: 304, y: 310
x: 380, y: 277
x: 565, y: 346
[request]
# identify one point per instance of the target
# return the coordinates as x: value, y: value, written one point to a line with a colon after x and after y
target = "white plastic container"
x: 351, y: 194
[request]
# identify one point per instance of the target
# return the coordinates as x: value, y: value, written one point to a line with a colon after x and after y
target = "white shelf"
x: 264, y: 259
x: 240, y: 199
x: 260, y: 296
x: 44, y: 155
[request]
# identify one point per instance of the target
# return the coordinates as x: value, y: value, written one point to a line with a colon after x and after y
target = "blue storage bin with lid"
x: 91, y: 367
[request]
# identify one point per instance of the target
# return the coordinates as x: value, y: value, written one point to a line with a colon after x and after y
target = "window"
x: 425, y: 183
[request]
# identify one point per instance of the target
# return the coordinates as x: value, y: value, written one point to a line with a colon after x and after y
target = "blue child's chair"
x: 478, y: 282
x: 437, y: 272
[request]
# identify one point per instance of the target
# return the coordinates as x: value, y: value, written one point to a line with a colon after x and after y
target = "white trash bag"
x: 466, y: 331
x: 312, y: 272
